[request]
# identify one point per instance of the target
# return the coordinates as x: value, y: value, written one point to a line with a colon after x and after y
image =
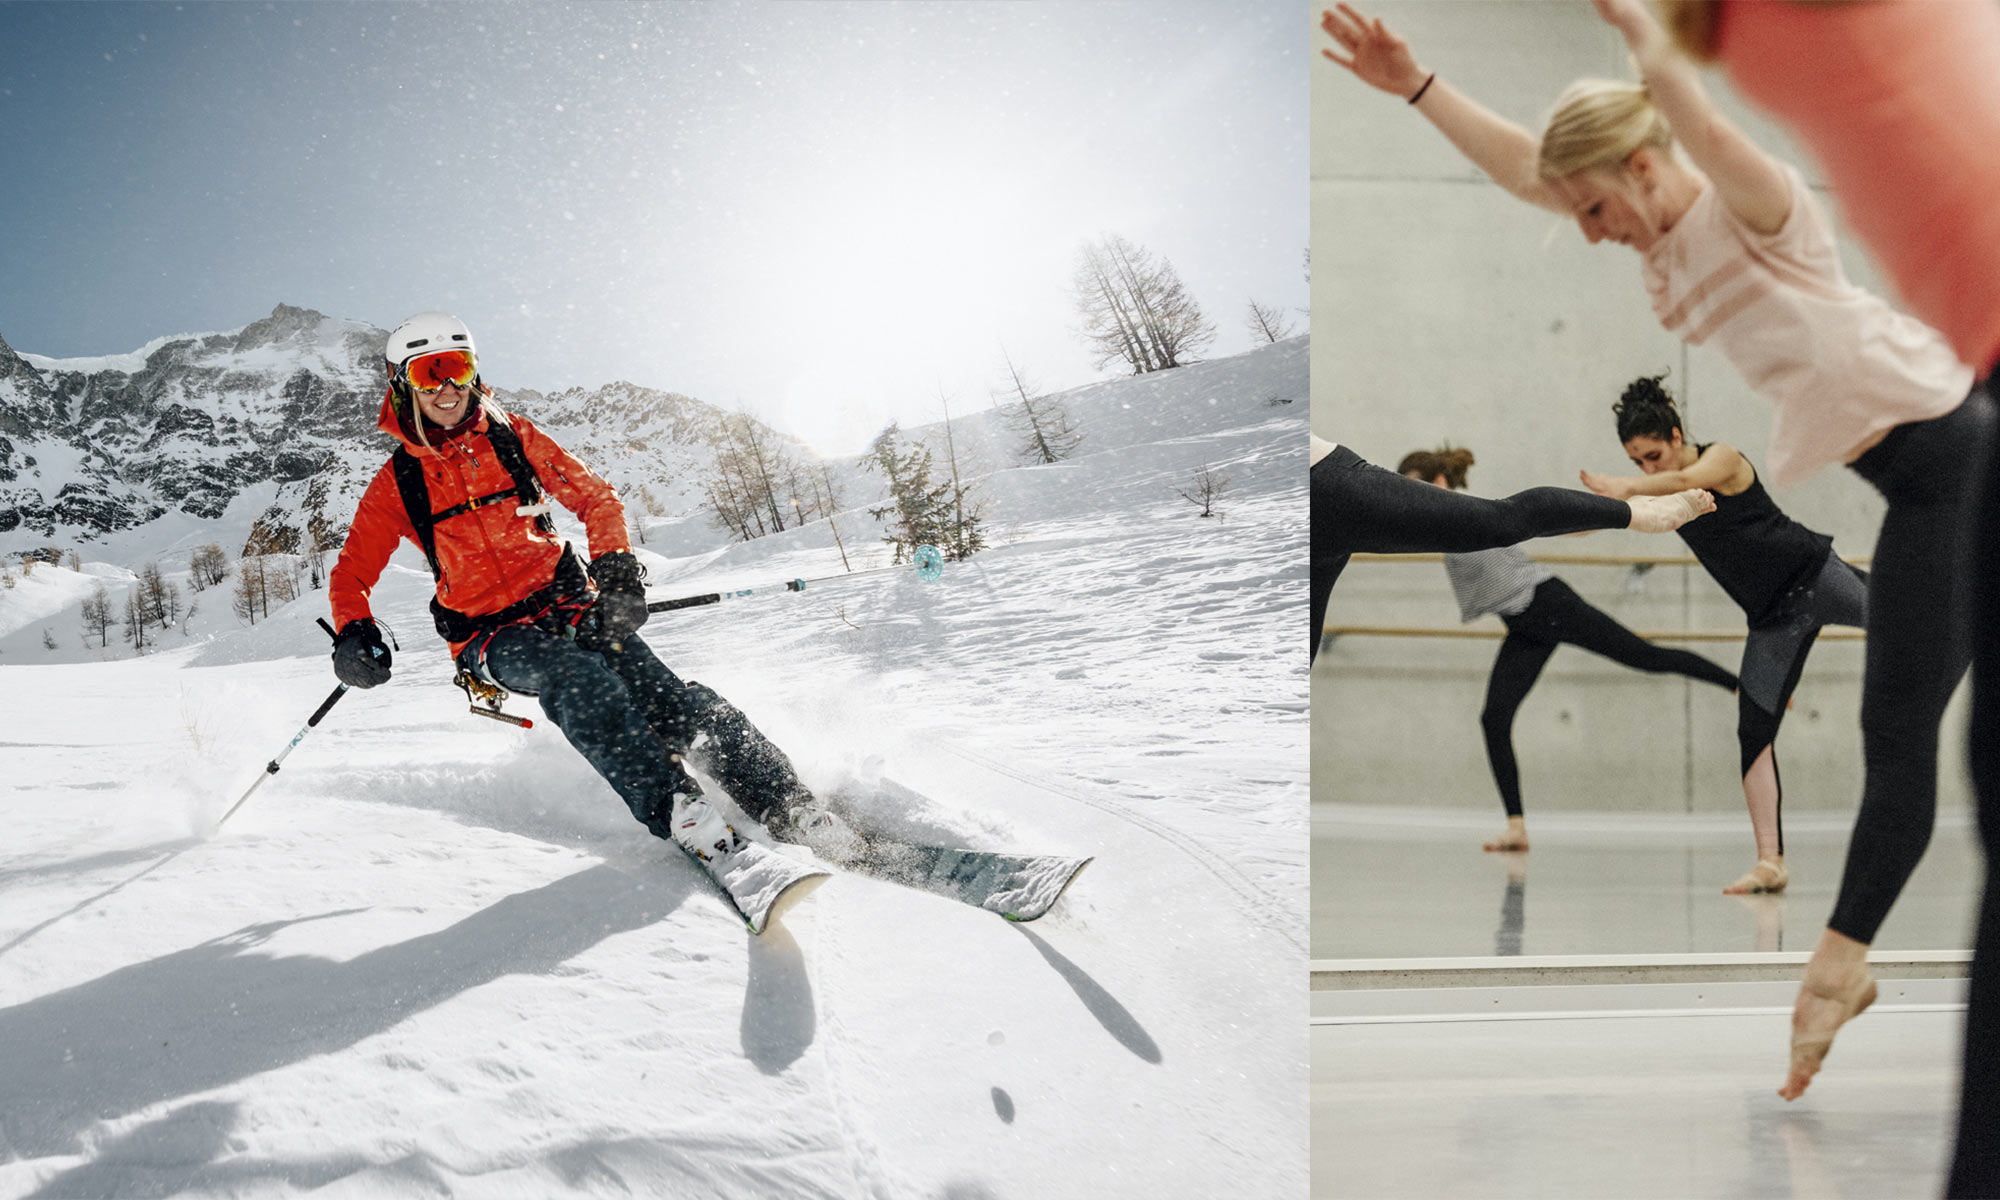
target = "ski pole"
x: 271, y: 768
x: 928, y: 560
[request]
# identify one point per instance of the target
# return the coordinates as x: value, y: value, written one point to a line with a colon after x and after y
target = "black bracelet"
x: 1423, y: 89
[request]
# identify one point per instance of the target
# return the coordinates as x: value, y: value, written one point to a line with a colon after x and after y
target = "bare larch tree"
x: 1040, y: 422
x: 1135, y: 307
x: 1268, y: 323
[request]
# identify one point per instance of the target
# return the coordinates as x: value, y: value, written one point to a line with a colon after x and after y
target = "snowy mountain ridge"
x: 192, y: 438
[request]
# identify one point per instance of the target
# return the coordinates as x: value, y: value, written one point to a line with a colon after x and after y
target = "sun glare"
x: 838, y: 410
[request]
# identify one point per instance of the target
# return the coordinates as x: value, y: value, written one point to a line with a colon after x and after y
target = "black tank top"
x: 1755, y: 552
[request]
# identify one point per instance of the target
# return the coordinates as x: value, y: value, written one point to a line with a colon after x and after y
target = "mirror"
x: 1446, y: 311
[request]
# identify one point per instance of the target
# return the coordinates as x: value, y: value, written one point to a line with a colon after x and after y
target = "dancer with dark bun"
x: 1359, y: 508
x: 1901, y: 104
x: 1737, y: 252
x: 1541, y: 613
x: 1784, y: 576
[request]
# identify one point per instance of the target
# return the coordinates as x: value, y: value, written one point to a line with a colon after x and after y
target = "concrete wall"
x: 1445, y: 310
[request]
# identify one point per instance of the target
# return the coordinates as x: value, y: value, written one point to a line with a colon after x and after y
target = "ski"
x: 1020, y: 887
x: 762, y: 883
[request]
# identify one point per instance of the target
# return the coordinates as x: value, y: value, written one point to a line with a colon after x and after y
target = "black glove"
x: 621, y: 594
x: 359, y: 657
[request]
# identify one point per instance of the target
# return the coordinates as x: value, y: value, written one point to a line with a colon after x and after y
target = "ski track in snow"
x: 434, y: 955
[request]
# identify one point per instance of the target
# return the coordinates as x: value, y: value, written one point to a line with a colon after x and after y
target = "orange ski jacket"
x: 489, y: 557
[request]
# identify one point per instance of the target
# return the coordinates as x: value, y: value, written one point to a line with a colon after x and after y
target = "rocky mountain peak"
x: 12, y: 364
x: 283, y: 408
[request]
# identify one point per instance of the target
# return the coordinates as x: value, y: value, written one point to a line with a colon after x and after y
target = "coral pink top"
x: 1901, y: 103
x: 1837, y: 363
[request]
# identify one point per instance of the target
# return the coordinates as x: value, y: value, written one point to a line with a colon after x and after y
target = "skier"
x: 521, y: 610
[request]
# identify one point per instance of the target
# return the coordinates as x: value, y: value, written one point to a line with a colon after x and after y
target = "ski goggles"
x: 429, y: 373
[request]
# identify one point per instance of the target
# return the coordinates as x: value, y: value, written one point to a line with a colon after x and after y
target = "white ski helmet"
x: 426, y: 333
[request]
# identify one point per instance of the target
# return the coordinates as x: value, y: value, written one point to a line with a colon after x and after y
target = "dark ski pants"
x: 1358, y: 507
x: 624, y: 711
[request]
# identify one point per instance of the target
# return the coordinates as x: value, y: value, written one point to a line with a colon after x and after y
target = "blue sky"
x: 785, y: 208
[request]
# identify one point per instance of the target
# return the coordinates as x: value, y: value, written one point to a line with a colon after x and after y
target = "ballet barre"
x: 1684, y: 635
x: 1581, y: 560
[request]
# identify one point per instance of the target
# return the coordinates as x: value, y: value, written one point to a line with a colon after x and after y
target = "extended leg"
x: 1359, y: 506
x: 1515, y: 670
x: 1594, y: 630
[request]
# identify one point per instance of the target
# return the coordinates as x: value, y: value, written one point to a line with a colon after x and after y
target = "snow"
x: 46, y: 595
x: 131, y: 363
x: 435, y: 954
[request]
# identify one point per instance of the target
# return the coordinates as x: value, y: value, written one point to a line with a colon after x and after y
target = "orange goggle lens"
x: 432, y: 371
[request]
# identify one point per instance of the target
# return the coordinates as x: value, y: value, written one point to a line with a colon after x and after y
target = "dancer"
x: 1541, y: 612
x: 1785, y: 577
x: 1900, y: 103
x: 1738, y: 252
x: 1357, y: 507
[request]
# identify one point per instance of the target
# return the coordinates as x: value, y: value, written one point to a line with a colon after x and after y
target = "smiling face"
x: 445, y: 407
x: 1654, y: 455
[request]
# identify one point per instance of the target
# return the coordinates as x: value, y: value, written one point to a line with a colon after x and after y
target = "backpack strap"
x: 417, y: 503
x: 527, y: 485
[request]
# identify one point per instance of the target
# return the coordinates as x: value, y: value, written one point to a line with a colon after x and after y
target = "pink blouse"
x: 1836, y: 362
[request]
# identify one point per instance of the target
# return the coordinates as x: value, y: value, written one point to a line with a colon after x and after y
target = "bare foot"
x: 1837, y: 988
x: 1769, y: 875
x: 1664, y: 514
x: 1516, y: 837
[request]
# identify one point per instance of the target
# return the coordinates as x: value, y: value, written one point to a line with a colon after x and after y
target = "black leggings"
x: 1975, y: 1166
x: 1556, y: 616
x: 1919, y: 644
x: 1360, y: 508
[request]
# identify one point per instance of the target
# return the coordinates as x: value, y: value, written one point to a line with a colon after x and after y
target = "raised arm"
x: 1749, y: 181
x: 1497, y: 146
x: 1721, y: 468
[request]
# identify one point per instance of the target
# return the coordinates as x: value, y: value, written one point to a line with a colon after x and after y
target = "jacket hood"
x: 390, y: 421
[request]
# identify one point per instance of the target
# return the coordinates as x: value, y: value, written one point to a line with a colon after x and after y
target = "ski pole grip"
x: 684, y: 602
x: 324, y: 705
x: 329, y: 629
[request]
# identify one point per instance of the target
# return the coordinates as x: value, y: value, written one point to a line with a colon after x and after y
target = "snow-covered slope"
x: 434, y: 954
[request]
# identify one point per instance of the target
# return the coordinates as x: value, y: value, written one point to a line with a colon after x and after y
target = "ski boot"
x: 802, y: 820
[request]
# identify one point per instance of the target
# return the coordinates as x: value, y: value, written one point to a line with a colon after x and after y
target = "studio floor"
x: 1398, y: 883
x: 1647, y: 1104
x: 1471, y: 1036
